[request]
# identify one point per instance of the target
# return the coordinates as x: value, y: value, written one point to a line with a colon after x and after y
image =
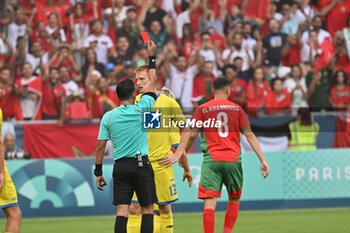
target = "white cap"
x: 283, y: 71
x: 96, y: 73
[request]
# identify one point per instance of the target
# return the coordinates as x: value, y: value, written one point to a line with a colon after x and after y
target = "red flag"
x: 327, y: 53
x: 49, y: 141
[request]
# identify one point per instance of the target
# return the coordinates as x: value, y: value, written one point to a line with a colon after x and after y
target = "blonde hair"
x: 141, y: 69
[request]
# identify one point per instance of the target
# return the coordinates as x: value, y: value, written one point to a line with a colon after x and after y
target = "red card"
x: 145, y: 37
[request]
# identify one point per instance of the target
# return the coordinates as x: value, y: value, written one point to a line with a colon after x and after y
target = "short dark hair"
x: 204, y: 33
x: 125, y: 89
x: 305, y: 116
x: 273, y: 81
x: 237, y: 58
x: 229, y: 66
x: 220, y: 83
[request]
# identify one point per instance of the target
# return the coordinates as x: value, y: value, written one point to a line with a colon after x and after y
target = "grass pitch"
x: 279, y: 221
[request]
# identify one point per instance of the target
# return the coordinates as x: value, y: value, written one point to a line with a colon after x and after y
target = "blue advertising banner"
x: 67, y: 187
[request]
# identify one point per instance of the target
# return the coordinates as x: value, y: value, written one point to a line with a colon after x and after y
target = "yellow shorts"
x: 165, y: 184
x: 8, y: 194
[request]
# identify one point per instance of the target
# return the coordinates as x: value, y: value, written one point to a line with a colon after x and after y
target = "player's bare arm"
x: 100, y: 180
x: 174, y: 157
x: 151, y: 84
x: 183, y: 162
x: 253, y: 142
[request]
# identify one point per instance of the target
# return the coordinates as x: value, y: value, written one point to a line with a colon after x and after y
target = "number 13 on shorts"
x: 172, y: 190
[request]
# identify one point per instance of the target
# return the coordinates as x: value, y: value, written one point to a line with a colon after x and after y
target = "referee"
x: 132, y: 169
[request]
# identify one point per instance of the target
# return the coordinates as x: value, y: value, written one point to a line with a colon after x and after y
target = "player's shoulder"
x: 165, y: 100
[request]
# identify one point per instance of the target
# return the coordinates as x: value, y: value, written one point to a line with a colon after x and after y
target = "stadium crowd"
x: 62, y: 59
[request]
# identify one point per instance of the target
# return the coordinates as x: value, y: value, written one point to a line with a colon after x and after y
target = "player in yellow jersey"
x: 8, y: 194
x: 160, y: 142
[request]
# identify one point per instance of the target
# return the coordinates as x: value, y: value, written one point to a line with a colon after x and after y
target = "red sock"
x: 230, y: 216
x: 208, y: 220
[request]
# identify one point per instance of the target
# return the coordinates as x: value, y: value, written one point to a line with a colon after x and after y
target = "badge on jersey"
x: 151, y: 120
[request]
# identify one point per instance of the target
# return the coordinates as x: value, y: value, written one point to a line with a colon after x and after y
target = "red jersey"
x: 52, y: 99
x: 343, y: 63
x: 9, y: 103
x: 256, y: 95
x: 274, y: 103
x: 238, y: 88
x: 201, y: 88
x: 337, y: 96
x: 338, y: 17
x: 221, y: 143
x: 292, y: 56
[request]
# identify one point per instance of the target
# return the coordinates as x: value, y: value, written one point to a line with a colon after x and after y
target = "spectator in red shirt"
x: 278, y: 100
x: 341, y: 59
x: 188, y: 41
x: 54, y: 97
x: 339, y: 95
x: 63, y: 57
x: 202, y: 85
x: 337, y: 13
x: 9, y: 103
x: 41, y: 35
x: 291, y: 51
x: 257, y: 90
x: 238, y: 86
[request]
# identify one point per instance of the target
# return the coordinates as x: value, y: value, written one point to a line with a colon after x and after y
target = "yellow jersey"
x: 8, y: 194
x: 160, y: 140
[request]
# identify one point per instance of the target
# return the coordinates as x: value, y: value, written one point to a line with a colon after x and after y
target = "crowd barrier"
x: 66, y: 187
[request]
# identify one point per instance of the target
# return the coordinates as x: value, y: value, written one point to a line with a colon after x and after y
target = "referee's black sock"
x: 147, y: 223
x: 120, y: 224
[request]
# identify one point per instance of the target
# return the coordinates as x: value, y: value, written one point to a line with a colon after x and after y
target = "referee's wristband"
x: 152, y: 62
x: 98, y: 170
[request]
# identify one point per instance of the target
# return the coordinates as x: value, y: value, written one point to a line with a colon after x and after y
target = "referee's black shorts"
x: 129, y: 177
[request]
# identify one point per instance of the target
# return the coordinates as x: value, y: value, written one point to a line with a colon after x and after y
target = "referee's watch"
x: 98, y: 170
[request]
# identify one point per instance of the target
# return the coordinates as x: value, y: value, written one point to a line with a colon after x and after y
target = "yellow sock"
x: 156, y: 224
x: 134, y: 223
x: 166, y: 223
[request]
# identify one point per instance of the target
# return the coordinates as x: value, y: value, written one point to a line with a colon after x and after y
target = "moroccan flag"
x: 327, y: 53
x: 342, y: 132
x: 49, y: 141
x: 257, y: 9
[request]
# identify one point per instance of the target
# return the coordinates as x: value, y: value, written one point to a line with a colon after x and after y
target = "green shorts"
x: 215, y: 174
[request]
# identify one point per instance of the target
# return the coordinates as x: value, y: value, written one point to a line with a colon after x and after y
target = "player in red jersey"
x: 221, y: 149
